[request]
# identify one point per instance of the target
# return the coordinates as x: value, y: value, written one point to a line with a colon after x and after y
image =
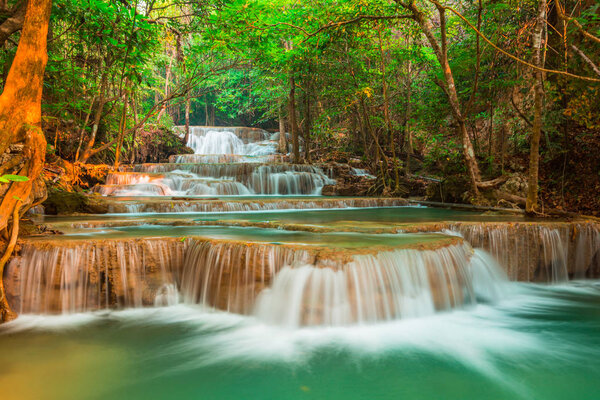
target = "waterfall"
x: 382, y: 287
x: 67, y: 277
x: 547, y: 252
x: 361, y: 172
x: 235, y: 205
x: 226, y: 162
x: 296, y: 285
x: 228, y: 276
x: 215, y: 142
x: 224, y: 158
x: 216, y: 179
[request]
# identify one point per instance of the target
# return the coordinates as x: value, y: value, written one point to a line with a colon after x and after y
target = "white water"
x: 222, y: 164
x: 472, y: 336
x: 537, y: 252
x: 295, y: 287
x: 383, y: 287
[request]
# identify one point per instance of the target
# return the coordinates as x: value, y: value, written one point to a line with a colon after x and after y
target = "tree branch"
x: 517, y: 59
x: 12, y: 24
x: 586, y: 59
x: 561, y: 15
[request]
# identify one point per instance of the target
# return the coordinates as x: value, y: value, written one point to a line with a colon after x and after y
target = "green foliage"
x: 236, y: 61
x: 13, y: 178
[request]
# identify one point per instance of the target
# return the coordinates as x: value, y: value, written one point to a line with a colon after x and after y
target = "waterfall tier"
x: 77, y: 276
x: 177, y: 205
x: 226, y: 162
x: 382, y: 287
x: 356, y: 285
x: 245, y: 134
x: 225, y: 158
x: 216, y: 179
x: 210, y: 141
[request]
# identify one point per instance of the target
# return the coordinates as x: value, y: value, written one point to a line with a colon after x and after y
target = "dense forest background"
x: 454, y: 100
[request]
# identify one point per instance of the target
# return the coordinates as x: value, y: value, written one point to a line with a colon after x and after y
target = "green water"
x: 376, y: 216
x: 345, y: 240
x: 542, y: 342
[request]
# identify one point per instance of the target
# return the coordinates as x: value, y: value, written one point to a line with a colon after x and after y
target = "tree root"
x: 6, y: 314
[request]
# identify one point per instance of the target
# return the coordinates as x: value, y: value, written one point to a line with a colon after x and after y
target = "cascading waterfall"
x: 228, y: 162
x: 296, y: 286
x: 216, y: 179
x: 539, y: 252
x: 386, y: 286
x: 228, y: 276
x: 361, y: 172
x: 60, y: 277
x: 215, y: 142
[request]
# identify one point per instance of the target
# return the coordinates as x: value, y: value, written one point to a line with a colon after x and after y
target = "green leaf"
x: 15, y: 178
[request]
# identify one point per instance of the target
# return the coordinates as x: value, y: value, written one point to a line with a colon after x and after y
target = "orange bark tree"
x: 22, y: 142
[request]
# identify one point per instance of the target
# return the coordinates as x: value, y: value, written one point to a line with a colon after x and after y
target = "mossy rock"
x: 61, y: 202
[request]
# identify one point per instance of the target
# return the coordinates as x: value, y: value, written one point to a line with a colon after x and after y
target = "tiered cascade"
x: 226, y: 162
x: 318, y: 272
x: 283, y: 285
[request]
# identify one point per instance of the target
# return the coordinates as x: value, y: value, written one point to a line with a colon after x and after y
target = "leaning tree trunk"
x: 534, y: 152
x: 102, y: 100
x: 441, y: 52
x: 21, y: 120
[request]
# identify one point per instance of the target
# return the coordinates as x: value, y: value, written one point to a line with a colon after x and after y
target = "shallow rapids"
x: 538, y: 343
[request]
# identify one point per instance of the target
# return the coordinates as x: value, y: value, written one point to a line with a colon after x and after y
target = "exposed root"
x: 6, y: 314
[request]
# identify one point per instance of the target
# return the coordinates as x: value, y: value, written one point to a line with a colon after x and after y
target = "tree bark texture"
x: 292, y: 120
x: 536, y: 132
x: 21, y: 113
x: 283, y: 147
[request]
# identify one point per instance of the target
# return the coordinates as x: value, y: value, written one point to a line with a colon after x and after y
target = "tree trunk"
x: 206, y: 110
x: 21, y: 117
x: 13, y: 23
x: 87, y: 151
x: 440, y: 50
x: 307, y: 124
x: 407, y: 116
x: 163, y: 109
x: 122, y: 125
x: 135, y: 124
x: 292, y: 120
x: 386, y: 115
x: 188, y: 103
x: 6, y: 314
x: 534, y: 152
x: 82, y: 132
x: 282, y: 137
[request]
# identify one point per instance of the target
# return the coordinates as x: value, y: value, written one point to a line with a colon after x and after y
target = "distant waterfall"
x: 216, y: 179
x: 215, y: 142
x: 227, y: 162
